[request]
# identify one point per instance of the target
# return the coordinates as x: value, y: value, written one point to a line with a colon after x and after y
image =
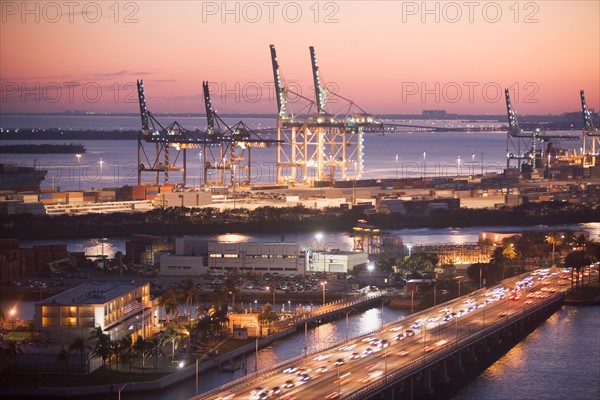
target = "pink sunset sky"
x: 387, y: 56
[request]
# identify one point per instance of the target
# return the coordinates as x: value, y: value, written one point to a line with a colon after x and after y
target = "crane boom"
x: 143, y: 108
x: 320, y: 95
x: 588, y: 123
x: 210, y: 121
x: 281, y: 112
x: 513, y: 125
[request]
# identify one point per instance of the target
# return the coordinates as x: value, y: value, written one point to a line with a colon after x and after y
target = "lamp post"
x: 197, y: 376
x: 324, y: 283
x: 123, y: 387
x: 79, y: 168
x: 435, y: 292
x: 424, y: 163
x: 396, y: 165
x: 409, y: 247
x: 347, y: 312
x: 458, y: 165
x: 459, y: 282
x: 255, y: 305
x: 318, y: 237
x: 370, y: 267
x: 201, y: 180
x: 354, y: 184
x: 272, y: 288
x: 13, y: 313
x: 101, y: 165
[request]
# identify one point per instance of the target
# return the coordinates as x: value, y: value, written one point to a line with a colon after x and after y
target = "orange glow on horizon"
x: 388, y: 57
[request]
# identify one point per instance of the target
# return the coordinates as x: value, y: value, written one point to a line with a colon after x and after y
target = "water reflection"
x: 326, y: 335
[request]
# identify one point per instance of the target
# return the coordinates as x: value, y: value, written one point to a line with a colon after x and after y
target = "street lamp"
x: 396, y: 165
x: 435, y: 292
x: 79, y: 168
x: 459, y: 282
x: 272, y: 288
x: 318, y: 237
x: 255, y: 305
x: 354, y: 184
x: 101, y: 165
x: 409, y: 247
x: 458, y: 165
x: 121, y: 389
x: 424, y: 162
x: 201, y: 170
x: 324, y: 283
x: 370, y: 267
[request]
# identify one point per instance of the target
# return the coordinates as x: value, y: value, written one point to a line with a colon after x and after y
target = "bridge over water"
x: 412, y: 355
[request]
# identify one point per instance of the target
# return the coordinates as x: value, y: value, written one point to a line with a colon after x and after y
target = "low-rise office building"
x: 194, y: 257
x: 118, y: 308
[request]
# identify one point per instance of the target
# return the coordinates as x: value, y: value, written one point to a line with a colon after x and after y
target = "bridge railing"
x: 447, y: 351
x: 428, y: 359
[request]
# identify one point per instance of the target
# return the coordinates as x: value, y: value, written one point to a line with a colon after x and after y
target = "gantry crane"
x: 528, y: 148
x: 153, y: 132
x: 315, y: 144
x: 235, y: 145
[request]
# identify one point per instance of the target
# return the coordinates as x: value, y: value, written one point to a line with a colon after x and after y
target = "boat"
x: 20, y: 178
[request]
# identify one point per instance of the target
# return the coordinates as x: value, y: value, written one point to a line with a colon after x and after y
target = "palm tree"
x: 189, y: 331
x: 127, y: 352
x: 171, y: 335
x: 141, y: 349
x: 9, y: 351
x: 63, y: 357
x: 556, y: 240
x: 154, y: 350
x: 266, y: 316
x: 577, y: 260
x: 102, y: 347
x: 169, y: 301
x: 190, y: 293
x: 116, y: 349
x: 231, y: 289
x: 78, y: 345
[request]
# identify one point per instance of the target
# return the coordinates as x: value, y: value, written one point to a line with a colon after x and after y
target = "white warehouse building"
x: 336, y: 261
x: 194, y: 257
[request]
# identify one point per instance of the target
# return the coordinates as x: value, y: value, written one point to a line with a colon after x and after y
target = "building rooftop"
x: 92, y: 293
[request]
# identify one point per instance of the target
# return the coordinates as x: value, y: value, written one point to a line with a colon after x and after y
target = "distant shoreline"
x: 36, y: 134
x: 64, y: 148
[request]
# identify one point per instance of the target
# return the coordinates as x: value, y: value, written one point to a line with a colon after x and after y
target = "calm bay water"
x: 478, y: 151
x: 559, y: 360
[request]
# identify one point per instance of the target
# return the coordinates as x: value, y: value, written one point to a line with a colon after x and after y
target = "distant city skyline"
x: 388, y: 57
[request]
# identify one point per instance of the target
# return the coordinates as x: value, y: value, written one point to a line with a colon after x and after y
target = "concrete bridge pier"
x: 427, y: 384
x: 496, y: 340
x: 472, y: 354
x: 483, y: 346
x: 443, y: 372
x: 458, y: 364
